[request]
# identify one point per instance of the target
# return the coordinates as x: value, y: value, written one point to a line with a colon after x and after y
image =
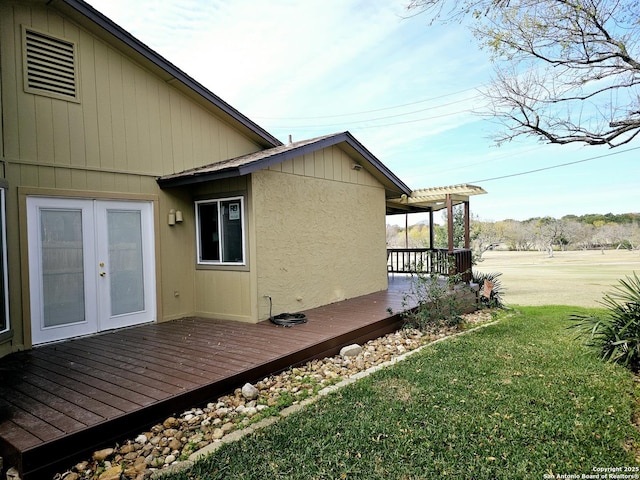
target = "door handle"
x: 103, y: 274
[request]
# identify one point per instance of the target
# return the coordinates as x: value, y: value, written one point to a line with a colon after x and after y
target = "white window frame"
x: 219, y: 201
x: 3, y: 253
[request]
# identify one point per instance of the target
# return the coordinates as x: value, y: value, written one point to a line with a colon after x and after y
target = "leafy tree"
x: 592, y: 218
x: 567, y: 71
x: 442, y: 238
x: 419, y: 236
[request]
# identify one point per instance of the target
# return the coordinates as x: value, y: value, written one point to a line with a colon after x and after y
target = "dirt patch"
x: 399, y: 389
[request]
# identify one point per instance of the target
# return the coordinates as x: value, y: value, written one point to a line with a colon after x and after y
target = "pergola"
x: 434, y: 199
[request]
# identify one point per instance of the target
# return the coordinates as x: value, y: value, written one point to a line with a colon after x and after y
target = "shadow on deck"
x: 61, y: 402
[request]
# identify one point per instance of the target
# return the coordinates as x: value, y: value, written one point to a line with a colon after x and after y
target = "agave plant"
x: 617, y: 333
x: 494, y: 298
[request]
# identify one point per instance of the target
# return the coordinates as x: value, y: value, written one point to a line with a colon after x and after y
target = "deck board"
x: 60, y: 402
x: 124, y: 377
x: 90, y: 386
x: 80, y: 405
x: 119, y: 385
x: 145, y: 354
x: 31, y: 423
x: 112, y: 405
x: 140, y: 367
x: 40, y: 408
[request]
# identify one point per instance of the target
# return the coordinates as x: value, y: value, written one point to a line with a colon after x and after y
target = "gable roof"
x: 94, y: 21
x: 260, y: 160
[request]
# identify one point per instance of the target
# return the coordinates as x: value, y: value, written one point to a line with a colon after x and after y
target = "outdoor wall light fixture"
x: 175, y: 216
x: 357, y: 167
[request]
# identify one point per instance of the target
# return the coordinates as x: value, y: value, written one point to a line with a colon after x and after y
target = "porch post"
x: 450, y: 221
x: 431, y: 233
x: 406, y: 230
x: 467, y: 225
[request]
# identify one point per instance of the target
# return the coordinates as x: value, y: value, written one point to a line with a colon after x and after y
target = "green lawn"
x: 519, y: 399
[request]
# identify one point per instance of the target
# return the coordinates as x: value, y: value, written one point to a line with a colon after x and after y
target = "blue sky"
x: 406, y: 90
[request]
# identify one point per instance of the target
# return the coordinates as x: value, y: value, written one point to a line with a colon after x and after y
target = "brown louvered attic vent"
x: 50, y: 65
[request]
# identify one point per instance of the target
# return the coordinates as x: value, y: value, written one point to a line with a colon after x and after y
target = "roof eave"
x: 187, y: 180
x: 184, y: 179
x: 393, y: 185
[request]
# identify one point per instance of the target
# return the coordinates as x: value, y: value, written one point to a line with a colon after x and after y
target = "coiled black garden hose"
x: 286, y: 319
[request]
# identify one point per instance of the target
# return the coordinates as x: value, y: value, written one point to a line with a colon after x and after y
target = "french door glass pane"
x: 125, y: 261
x: 62, y: 267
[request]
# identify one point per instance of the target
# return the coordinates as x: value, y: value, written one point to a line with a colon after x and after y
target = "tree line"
x: 571, y: 232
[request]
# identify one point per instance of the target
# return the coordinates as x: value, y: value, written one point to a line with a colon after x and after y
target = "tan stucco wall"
x: 320, y: 233
x: 129, y: 127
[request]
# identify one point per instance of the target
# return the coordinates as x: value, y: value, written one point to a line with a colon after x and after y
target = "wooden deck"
x: 60, y: 402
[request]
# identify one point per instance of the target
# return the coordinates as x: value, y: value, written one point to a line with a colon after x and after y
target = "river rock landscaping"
x: 168, y: 444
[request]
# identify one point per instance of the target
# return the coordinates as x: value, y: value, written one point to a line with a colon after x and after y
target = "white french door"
x: 91, y: 266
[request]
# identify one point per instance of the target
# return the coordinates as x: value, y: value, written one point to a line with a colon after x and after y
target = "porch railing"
x: 428, y: 260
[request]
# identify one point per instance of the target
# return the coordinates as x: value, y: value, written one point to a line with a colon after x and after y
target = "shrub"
x: 616, y: 333
x: 437, y: 303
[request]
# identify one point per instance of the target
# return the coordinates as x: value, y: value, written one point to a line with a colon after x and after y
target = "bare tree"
x: 393, y: 236
x: 578, y: 234
x: 567, y: 71
x: 634, y: 235
x: 485, y: 235
x: 550, y: 232
x: 605, y: 234
x: 520, y: 236
x: 624, y: 235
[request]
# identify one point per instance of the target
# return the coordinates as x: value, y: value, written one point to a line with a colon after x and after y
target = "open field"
x: 577, y: 278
